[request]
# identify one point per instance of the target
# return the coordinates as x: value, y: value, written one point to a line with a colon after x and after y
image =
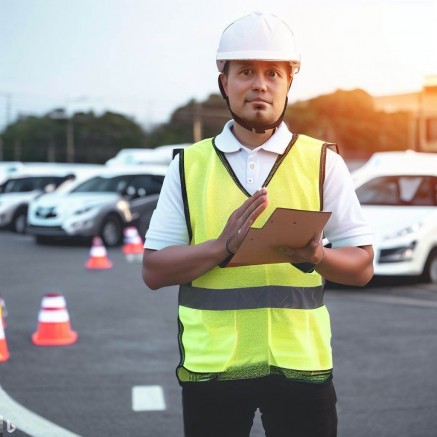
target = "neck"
x: 249, y: 139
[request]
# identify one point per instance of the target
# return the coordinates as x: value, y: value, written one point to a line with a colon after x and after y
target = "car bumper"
x: 59, y: 232
x: 402, y: 259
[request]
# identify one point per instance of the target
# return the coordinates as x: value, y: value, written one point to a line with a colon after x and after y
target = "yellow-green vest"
x: 252, y: 321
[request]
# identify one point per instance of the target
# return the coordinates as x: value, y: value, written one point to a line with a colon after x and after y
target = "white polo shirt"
x: 346, y: 226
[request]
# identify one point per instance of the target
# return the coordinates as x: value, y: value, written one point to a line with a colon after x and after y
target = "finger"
x: 247, y: 223
x: 253, y: 209
x: 316, y: 240
x: 250, y: 201
x: 243, y: 228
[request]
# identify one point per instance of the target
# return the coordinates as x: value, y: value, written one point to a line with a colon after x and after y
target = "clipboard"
x: 292, y: 228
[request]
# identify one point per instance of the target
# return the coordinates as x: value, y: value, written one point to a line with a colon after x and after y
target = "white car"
x: 8, y: 169
x: 30, y: 180
x: 102, y: 205
x: 159, y: 156
x: 398, y: 194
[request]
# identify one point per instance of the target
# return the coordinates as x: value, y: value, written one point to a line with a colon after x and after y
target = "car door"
x: 143, y: 192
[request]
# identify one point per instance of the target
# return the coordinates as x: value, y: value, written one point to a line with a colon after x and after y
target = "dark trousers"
x: 288, y: 408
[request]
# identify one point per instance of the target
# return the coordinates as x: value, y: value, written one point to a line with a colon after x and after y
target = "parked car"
x: 161, y: 155
x: 130, y: 157
x: 17, y: 192
x: 102, y: 205
x: 398, y: 194
x: 8, y: 169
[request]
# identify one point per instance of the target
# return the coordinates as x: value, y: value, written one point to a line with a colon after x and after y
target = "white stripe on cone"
x: 53, y: 316
x: 53, y: 301
x: 98, y: 252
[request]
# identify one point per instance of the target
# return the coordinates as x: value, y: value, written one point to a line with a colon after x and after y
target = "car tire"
x: 111, y: 230
x: 430, y: 271
x: 19, y: 222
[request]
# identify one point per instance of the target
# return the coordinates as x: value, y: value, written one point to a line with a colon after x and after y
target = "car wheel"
x: 111, y: 230
x: 19, y: 223
x: 431, y: 267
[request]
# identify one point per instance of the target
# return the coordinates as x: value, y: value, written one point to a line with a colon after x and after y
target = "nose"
x: 259, y: 82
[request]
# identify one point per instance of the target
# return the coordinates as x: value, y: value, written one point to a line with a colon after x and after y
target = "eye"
x: 272, y: 73
x: 247, y: 72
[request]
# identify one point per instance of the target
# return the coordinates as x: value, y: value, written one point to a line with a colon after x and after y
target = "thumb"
x: 315, y: 241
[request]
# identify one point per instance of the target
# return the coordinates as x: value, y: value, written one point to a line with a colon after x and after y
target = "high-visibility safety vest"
x: 252, y: 321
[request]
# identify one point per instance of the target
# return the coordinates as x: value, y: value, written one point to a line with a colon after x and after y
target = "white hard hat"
x: 258, y: 36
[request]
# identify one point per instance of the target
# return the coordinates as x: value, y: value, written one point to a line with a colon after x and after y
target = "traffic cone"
x: 4, y: 312
x: 4, y: 352
x: 98, y: 257
x: 53, y: 323
x: 133, y: 246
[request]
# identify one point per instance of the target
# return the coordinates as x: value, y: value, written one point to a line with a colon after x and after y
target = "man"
x: 255, y: 337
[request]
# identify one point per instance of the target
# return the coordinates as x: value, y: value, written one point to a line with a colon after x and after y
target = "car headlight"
x: 397, y: 254
x: 404, y: 231
x: 123, y: 206
x: 84, y: 210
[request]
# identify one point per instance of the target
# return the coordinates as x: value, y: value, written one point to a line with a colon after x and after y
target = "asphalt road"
x: 385, y: 351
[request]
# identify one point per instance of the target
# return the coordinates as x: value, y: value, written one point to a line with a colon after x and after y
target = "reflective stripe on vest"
x: 250, y: 298
x: 251, y: 321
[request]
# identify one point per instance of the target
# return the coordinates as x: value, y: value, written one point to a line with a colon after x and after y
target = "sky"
x: 145, y: 58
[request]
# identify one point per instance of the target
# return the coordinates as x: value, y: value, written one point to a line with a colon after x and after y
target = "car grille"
x: 46, y: 212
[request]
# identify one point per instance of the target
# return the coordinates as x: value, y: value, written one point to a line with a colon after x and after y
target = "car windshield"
x: 399, y: 190
x: 131, y: 185
x: 99, y: 184
x: 23, y: 185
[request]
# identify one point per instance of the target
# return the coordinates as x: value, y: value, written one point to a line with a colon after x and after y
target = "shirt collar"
x: 277, y: 143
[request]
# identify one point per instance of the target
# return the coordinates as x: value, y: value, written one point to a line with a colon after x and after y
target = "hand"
x: 240, y: 221
x: 312, y: 253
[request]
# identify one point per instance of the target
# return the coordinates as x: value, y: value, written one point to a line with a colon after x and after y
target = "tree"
x: 348, y: 118
x: 96, y: 138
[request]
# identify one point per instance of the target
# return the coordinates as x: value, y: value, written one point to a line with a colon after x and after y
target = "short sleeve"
x: 347, y: 225
x: 168, y: 226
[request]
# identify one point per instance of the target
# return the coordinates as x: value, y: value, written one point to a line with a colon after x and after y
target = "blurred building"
x: 422, y: 107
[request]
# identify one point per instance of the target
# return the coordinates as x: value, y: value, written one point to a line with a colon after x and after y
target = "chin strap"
x: 258, y: 128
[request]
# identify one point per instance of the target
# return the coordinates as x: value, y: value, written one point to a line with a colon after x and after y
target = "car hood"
x: 73, y: 201
x: 12, y: 198
x: 388, y: 219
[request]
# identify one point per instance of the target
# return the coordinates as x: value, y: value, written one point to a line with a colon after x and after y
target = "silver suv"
x: 102, y: 205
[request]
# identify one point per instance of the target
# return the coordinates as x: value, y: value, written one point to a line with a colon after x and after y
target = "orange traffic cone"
x: 98, y: 257
x: 133, y: 246
x: 53, y: 323
x: 4, y: 312
x: 4, y: 352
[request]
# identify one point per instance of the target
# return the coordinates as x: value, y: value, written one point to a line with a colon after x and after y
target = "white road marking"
x: 28, y: 421
x: 148, y: 398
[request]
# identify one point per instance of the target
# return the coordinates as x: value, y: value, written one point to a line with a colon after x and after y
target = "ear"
x: 223, y: 85
x: 224, y: 81
x: 290, y: 81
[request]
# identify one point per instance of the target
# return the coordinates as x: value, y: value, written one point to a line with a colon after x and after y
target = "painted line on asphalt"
x: 28, y: 421
x: 148, y: 398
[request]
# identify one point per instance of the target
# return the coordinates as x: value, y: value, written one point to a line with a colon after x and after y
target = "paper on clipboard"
x: 292, y: 228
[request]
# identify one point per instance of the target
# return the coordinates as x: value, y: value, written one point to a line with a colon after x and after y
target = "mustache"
x: 258, y: 99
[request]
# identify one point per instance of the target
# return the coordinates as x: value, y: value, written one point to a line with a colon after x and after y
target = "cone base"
x: 98, y: 265
x: 4, y: 355
x: 65, y: 341
x: 133, y: 250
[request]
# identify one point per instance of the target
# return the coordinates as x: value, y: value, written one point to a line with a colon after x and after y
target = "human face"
x: 257, y: 89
